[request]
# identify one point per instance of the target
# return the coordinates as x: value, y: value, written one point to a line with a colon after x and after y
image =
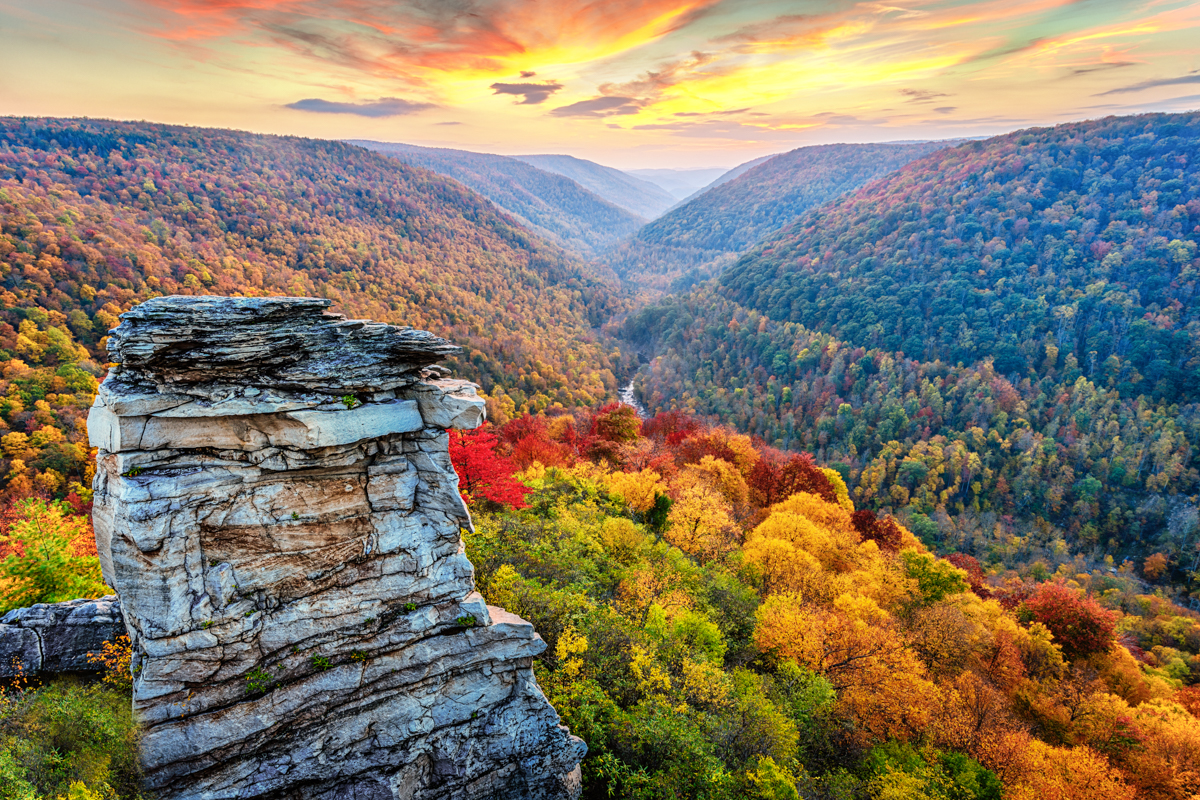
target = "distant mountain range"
x: 727, y: 176
x: 643, y: 198
x: 680, y: 183
x: 551, y: 204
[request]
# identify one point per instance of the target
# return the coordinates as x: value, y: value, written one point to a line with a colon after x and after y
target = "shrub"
x: 68, y: 739
x: 259, y: 681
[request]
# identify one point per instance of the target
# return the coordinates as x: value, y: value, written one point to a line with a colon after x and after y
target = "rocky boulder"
x: 57, y: 637
x: 276, y: 507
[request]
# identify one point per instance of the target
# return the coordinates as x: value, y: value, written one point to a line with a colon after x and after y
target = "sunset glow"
x: 627, y: 82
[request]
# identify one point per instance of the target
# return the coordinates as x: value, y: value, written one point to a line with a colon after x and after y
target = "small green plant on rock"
x: 132, y: 472
x: 358, y: 656
x: 350, y: 401
x: 320, y: 663
x: 409, y: 607
x: 259, y: 681
x: 467, y: 621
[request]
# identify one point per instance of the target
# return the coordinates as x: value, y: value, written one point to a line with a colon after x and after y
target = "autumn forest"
x: 905, y: 504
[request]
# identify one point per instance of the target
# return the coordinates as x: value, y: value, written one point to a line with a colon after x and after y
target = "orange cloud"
x: 383, y: 37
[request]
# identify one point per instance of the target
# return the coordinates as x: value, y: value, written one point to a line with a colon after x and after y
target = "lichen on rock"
x: 276, y: 507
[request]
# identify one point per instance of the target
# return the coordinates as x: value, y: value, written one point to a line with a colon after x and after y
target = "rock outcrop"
x: 57, y: 637
x: 276, y: 507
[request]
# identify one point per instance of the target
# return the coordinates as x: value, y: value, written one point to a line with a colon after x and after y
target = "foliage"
x: 1079, y: 624
x: 998, y: 334
x: 115, y: 659
x: 96, y: 216
x: 1070, y: 238
x: 46, y: 560
x: 780, y: 651
x: 68, y: 740
x: 483, y: 473
x: 552, y: 205
x: 899, y: 771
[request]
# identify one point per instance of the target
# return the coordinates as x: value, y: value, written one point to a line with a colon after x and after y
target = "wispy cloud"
x: 409, y: 36
x: 723, y: 71
x: 922, y: 95
x: 533, y: 93
x: 598, y: 107
x: 1191, y: 77
x: 383, y: 107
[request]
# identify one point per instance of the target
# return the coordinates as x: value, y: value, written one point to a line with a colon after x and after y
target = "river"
x: 626, y: 396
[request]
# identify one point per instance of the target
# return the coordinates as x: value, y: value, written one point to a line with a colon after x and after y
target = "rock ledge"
x: 276, y: 507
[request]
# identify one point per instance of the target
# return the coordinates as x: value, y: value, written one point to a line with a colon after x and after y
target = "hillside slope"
x: 97, y: 216
x: 551, y: 205
x: 726, y: 177
x: 635, y: 195
x: 1076, y: 241
x: 703, y: 236
x: 1000, y: 336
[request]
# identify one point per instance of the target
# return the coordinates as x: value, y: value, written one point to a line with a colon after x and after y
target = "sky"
x: 628, y: 83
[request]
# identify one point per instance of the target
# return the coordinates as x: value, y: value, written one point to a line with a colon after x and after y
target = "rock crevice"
x: 276, y: 507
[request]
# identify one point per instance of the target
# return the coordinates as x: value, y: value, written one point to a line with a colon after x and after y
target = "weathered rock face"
x: 57, y: 637
x: 276, y: 507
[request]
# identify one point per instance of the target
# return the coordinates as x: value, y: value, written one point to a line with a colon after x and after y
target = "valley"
x: 859, y: 471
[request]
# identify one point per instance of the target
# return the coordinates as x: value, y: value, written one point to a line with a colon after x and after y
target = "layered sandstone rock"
x: 276, y: 507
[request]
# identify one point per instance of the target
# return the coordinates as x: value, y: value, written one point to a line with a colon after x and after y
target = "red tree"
x: 482, y: 472
x: 670, y: 426
x: 975, y: 575
x: 771, y: 482
x: 529, y: 441
x: 884, y: 532
x: 1080, y: 624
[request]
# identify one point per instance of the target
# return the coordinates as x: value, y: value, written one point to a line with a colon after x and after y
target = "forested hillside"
x: 723, y: 623
x: 701, y: 237
x: 996, y: 340
x: 1080, y: 238
x: 97, y: 216
x: 726, y: 177
x: 551, y: 205
x: 619, y: 188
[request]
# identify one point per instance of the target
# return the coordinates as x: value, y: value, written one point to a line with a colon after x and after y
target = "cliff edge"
x: 276, y: 508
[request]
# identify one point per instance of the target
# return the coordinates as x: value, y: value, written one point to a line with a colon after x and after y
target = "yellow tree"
x: 699, y: 523
x: 1067, y: 773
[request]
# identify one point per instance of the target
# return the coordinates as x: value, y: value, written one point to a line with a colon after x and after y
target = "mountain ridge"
x: 701, y: 237
x: 552, y: 205
x: 620, y: 188
x: 98, y: 215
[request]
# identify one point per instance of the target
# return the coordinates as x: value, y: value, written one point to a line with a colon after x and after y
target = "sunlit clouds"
x: 632, y: 82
